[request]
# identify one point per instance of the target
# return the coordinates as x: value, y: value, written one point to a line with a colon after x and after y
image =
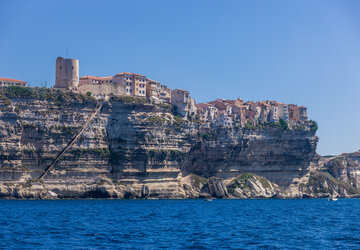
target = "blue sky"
x: 302, y: 52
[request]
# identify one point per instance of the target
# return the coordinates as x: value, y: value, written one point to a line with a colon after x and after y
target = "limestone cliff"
x: 134, y: 149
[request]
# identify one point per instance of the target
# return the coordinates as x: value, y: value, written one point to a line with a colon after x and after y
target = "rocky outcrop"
x: 217, y: 188
x: 345, y: 167
x: 249, y: 185
x: 135, y: 149
x: 279, y: 155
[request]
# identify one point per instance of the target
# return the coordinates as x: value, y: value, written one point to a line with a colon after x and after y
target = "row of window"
x: 11, y: 83
x: 95, y: 81
x: 130, y: 91
x: 130, y: 78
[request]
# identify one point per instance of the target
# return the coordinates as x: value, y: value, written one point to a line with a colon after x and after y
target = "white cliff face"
x: 133, y: 149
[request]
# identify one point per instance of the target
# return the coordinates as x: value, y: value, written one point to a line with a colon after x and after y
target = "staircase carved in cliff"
x: 72, y: 142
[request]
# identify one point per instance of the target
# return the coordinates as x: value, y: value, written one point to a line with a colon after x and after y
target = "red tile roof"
x: 127, y: 73
x: 96, y: 78
x: 10, y: 80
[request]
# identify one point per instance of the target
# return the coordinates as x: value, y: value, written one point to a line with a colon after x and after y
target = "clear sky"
x: 301, y: 52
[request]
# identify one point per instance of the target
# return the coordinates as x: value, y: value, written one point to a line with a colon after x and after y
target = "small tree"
x: 283, y: 124
x: 313, y: 126
x: 88, y: 93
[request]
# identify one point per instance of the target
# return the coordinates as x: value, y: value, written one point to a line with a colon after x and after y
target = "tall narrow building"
x: 67, y: 73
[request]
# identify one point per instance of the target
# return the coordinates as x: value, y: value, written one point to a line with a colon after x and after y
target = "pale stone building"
x: 99, y: 87
x: 133, y: 84
x: 11, y: 82
x: 67, y: 73
x: 283, y: 112
x: 297, y: 114
x: 157, y: 92
x: 184, y: 104
x: 223, y: 119
x: 206, y: 112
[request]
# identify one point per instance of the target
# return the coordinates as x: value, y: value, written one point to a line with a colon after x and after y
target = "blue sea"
x: 180, y: 224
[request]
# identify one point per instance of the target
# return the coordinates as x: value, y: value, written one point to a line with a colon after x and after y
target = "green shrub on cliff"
x: 58, y: 95
x: 178, y: 120
x: 317, y: 182
x: 155, y: 119
x: 5, y: 100
x: 240, y: 182
x: 198, y: 181
x: 130, y: 99
x: 249, y: 125
x: 104, y: 152
x: 283, y: 124
x: 313, y: 126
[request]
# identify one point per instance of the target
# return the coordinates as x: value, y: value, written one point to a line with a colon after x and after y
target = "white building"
x: 11, y: 82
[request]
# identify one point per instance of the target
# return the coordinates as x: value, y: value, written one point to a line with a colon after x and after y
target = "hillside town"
x: 222, y: 113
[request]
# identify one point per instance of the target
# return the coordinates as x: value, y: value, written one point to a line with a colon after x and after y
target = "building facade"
x: 11, y: 82
x: 184, y: 104
x: 157, y: 92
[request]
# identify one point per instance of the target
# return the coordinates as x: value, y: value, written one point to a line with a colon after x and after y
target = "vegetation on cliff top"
x: 281, y: 124
x: 130, y: 100
x: 59, y: 96
x: 313, y: 126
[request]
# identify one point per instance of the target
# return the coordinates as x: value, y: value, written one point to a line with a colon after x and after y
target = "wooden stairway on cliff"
x: 92, y: 116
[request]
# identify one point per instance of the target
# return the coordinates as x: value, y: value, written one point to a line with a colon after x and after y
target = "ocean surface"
x: 180, y: 224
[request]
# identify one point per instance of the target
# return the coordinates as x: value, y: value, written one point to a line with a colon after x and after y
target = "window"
x: 130, y: 90
x: 127, y: 90
x: 139, y: 91
x: 60, y: 67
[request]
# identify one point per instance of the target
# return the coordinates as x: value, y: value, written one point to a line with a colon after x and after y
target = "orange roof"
x: 127, y: 73
x: 202, y: 105
x: 182, y: 90
x: 152, y: 80
x: 96, y: 77
x: 10, y: 80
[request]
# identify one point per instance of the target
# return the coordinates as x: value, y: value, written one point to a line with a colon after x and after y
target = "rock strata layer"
x: 134, y: 149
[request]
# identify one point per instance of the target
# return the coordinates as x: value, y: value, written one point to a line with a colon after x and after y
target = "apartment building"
x: 133, y: 84
x: 157, y: 92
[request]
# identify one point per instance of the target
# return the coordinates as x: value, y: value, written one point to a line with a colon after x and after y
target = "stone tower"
x: 67, y: 73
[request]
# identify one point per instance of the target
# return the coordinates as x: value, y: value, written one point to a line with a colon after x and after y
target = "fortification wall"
x: 102, y: 89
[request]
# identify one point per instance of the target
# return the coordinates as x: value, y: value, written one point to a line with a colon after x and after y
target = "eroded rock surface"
x: 134, y: 149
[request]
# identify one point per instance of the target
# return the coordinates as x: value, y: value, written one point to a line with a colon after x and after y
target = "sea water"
x: 180, y: 224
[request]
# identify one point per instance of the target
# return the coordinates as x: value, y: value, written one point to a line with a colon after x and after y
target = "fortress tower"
x: 67, y: 73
